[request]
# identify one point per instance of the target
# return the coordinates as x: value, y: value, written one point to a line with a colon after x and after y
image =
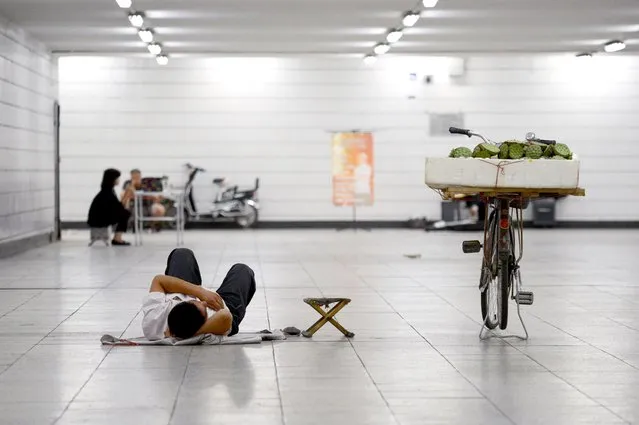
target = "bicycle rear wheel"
x: 488, y: 282
x: 505, y: 278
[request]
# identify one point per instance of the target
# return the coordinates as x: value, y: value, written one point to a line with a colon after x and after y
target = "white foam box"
x: 442, y: 173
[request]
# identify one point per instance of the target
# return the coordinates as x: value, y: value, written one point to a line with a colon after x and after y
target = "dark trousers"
x: 237, y: 289
x: 122, y: 221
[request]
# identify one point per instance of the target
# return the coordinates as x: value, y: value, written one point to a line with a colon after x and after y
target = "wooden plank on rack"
x: 458, y: 192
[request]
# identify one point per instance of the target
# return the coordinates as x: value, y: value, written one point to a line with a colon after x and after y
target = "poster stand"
x: 352, y: 174
x: 353, y: 224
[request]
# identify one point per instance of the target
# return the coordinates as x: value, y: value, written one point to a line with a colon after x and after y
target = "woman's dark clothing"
x: 106, y: 209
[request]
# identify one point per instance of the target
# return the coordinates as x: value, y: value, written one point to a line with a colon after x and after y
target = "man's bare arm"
x: 218, y: 324
x: 174, y: 285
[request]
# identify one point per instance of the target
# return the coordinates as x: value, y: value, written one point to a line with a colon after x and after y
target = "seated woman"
x: 151, y: 205
x: 106, y: 210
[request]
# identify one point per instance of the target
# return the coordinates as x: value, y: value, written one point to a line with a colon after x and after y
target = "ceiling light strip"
x: 409, y: 19
x: 147, y: 35
x: 124, y: 4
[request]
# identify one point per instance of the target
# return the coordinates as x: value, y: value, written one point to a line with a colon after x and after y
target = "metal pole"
x: 140, y: 218
x: 354, y: 213
x: 177, y: 226
x: 135, y: 217
x: 180, y: 221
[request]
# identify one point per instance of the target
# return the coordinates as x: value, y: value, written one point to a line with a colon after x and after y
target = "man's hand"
x: 212, y: 299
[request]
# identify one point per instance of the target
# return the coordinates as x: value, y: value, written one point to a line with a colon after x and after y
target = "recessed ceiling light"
x: 136, y: 19
x: 410, y: 19
x: 146, y: 35
x: 614, y: 46
x: 124, y: 4
x: 162, y: 59
x: 381, y: 48
x: 584, y: 56
x: 155, y: 48
x: 394, y: 36
x: 429, y: 3
x: 370, y: 59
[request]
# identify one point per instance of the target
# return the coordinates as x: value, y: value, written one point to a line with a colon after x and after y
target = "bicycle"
x: 500, y: 277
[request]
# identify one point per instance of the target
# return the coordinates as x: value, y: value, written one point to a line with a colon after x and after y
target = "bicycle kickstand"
x: 521, y: 297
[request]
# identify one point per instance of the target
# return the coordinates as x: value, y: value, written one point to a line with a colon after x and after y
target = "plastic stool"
x: 100, y: 234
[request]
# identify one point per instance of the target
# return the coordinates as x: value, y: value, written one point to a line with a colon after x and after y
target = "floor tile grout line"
x: 585, y: 342
x: 622, y: 324
x: 434, y: 348
x: 548, y: 370
x: 484, y: 397
x: 564, y: 379
x: 570, y: 384
x: 177, y: 396
x: 268, y: 319
x: 49, y: 333
x: 141, y: 260
x: 379, y: 391
x: 619, y: 297
x: 66, y: 408
x: 277, y: 381
x: 21, y: 304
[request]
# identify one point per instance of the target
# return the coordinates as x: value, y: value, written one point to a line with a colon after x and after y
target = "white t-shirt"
x: 156, y: 308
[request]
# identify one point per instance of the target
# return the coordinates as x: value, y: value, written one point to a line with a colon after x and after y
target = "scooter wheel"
x: 249, y: 219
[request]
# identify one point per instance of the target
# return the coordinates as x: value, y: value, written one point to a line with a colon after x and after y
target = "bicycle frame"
x: 507, y: 246
x: 506, y: 250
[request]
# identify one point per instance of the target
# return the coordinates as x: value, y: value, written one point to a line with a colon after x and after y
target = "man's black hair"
x: 185, y: 319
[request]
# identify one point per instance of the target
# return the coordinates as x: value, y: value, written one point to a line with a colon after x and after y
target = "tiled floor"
x: 416, y: 357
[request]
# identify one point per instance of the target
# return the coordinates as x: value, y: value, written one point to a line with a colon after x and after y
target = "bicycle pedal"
x: 525, y: 298
x: 470, y: 247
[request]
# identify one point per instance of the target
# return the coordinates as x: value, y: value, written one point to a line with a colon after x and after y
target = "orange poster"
x: 353, y: 176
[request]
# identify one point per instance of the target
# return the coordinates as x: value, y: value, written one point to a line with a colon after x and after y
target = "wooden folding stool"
x: 327, y: 316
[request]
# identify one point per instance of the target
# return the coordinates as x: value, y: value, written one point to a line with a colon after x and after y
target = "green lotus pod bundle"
x: 480, y: 152
x: 549, y: 152
x: 503, y: 151
x: 490, y: 148
x: 461, y: 152
x: 516, y: 151
x: 533, y: 151
x: 562, y: 150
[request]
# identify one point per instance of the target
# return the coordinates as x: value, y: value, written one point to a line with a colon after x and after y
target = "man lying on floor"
x: 178, y: 306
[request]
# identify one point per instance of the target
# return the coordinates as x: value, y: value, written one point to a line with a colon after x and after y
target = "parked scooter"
x: 230, y: 203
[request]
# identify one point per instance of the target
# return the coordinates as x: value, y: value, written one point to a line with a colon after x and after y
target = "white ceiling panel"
x: 272, y: 27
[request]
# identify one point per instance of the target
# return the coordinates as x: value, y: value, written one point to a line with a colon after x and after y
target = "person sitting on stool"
x: 178, y: 306
x: 106, y: 210
x: 151, y: 205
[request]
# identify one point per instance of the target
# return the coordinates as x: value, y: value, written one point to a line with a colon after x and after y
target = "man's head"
x: 136, y: 177
x: 186, y: 318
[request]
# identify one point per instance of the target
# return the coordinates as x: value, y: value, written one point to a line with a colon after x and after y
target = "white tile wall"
x: 272, y: 118
x: 28, y: 87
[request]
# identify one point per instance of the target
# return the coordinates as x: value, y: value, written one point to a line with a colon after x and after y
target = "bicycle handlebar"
x: 455, y: 130
x: 193, y: 168
x: 545, y: 142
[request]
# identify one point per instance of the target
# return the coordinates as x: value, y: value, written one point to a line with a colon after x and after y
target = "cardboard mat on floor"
x: 206, y: 339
